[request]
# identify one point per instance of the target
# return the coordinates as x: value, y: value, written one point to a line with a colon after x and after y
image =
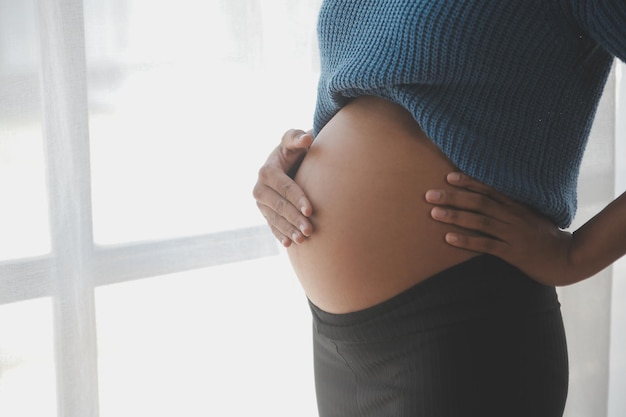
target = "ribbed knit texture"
x: 507, y: 89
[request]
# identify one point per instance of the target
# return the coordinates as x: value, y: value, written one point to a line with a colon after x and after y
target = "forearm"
x: 600, y: 241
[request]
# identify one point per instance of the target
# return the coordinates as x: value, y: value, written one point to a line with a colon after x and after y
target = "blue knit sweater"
x: 506, y: 88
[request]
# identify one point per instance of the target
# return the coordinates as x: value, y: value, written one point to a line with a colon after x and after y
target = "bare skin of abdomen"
x: 366, y: 175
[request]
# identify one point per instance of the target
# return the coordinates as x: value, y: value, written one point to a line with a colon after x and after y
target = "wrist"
x: 580, y: 260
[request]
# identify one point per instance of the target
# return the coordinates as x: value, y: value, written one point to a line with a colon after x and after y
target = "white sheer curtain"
x: 136, y: 275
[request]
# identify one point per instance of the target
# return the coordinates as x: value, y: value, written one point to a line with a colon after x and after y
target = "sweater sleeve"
x: 604, y: 21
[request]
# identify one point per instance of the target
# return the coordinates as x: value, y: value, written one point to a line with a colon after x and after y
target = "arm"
x: 281, y: 201
x: 528, y: 240
x: 602, y: 240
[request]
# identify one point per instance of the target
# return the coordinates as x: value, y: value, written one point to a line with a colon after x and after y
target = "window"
x: 136, y: 275
x: 128, y: 151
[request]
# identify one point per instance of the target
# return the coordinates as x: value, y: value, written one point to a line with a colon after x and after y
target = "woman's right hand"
x: 281, y: 201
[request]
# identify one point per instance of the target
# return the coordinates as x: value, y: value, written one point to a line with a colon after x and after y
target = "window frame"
x: 75, y: 266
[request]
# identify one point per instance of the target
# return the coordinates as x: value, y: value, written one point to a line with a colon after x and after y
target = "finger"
x: 469, y: 201
x: 294, y: 144
x: 285, y: 187
x: 459, y: 179
x: 280, y: 212
x: 281, y: 201
x: 284, y: 240
x: 480, y: 244
x: 471, y: 221
x: 282, y: 229
x: 296, y: 139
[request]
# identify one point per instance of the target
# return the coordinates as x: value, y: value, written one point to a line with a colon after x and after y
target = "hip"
x: 478, y: 339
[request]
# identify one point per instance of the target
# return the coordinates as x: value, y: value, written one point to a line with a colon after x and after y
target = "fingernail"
x: 432, y: 195
x: 439, y: 213
x: 303, y: 230
x: 285, y: 242
x: 452, y: 238
x: 454, y: 177
x: 295, y: 237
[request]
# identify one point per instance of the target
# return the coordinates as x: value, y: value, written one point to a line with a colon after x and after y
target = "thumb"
x: 296, y: 140
x: 294, y: 145
x: 306, y: 139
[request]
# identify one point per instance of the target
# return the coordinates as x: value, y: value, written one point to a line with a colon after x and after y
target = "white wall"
x: 617, y: 376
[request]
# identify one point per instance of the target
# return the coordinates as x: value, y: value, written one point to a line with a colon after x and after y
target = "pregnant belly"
x: 366, y: 174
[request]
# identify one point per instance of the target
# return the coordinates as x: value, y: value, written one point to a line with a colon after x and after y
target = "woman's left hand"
x: 499, y: 226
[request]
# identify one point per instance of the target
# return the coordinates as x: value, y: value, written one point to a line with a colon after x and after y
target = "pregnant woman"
x: 426, y: 213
